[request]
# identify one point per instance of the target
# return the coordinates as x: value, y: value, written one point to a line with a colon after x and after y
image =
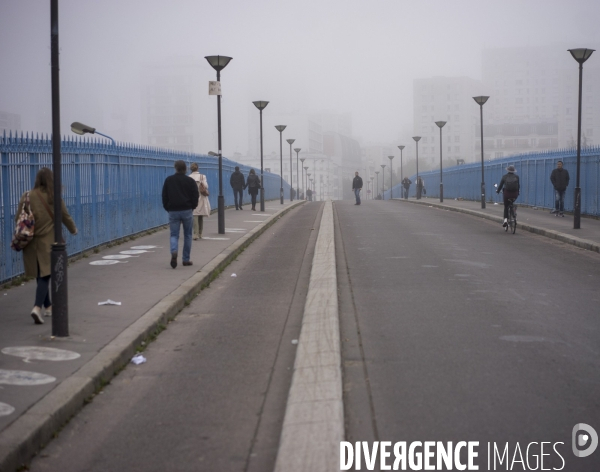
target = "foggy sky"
x: 357, y: 56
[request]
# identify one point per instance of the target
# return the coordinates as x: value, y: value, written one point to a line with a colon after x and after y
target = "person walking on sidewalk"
x: 36, y: 255
x: 510, y: 187
x: 238, y: 184
x: 203, y: 208
x: 406, y: 186
x: 253, y: 185
x: 560, y: 180
x: 180, y: 196
x: 357, y: 184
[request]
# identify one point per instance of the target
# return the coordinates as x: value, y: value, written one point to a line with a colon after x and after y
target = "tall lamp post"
x: 302, y: 159
x: 480, y: 101
x: 391, y: 178
x: 401, y: 175
x: 377, y: 174
x: 261, y: 105
x: 297, y: 176
x: 417, y: 138
x: 219, y: 63
x: 383, y: 182
x: 305, y: 180
x: 580, y: 55
x: 441, y: 125
x: 291, y: 141
x: 280, y: 128
x: 372, y: 191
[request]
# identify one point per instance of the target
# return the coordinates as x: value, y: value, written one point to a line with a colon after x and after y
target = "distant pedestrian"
x: 238, y: 184
x: 357, y: 185
x: 309, y: 193
x: 420, y: 186
x: 510, y: 187
x: 180, y: 196
x: 203, y: 208
x: 560, y: 180
x: 253, y: 184
x: 406, y: 186
x: 36, y: 255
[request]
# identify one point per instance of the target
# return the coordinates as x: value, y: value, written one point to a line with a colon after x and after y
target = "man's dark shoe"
x: 173, y: 259
x: 187, y: 263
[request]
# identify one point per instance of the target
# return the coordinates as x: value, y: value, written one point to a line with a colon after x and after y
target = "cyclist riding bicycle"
x: 510, y: 187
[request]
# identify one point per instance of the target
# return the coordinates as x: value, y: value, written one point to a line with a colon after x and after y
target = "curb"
x: 22, y: 439
x: 549, y: 233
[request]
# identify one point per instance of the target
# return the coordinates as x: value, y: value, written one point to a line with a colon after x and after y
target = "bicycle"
x: 512, y: 216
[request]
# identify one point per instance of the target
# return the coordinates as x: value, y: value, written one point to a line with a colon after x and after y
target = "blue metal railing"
x: 534, y: 172
x: 110, y: 191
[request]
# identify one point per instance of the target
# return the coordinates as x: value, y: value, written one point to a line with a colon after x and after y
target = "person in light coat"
x: 203, y: 208
x: 36, y: 255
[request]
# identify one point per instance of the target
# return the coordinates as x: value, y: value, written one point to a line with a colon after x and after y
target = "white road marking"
x: 134, y: 251
x: 24, y: 378
x: 105, y: 262
x: 216, y: 239
x: 5, y: 409
x: 144, y: 247
x: 118, y: 256
x: 40, y: 353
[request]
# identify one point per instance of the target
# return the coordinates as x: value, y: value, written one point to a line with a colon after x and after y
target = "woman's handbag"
x: 24, y: 228
x: 202, y: 189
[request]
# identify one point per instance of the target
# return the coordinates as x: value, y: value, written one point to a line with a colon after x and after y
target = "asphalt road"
x: 212, y: 394
x: 454, y: 330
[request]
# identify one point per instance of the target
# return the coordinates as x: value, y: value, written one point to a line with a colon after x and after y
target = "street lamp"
x: 480, y: 101
x: 417, y: 138
x: 377, y: 173
x: 261, y: 105
x: 383, y: 182
x: 305, y: 180
x: 441, y: 125
x: 219, y: 63
x: 80, y: 128
x: 291, y: 141
x: 372, y: 192
x: 280, y: 128
x: 580, y: 55
x: 401, y: 175
x: 391, y: 178
x: 297, y: 172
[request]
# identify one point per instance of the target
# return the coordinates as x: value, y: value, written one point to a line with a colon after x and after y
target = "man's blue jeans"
x: 559, y: 200
x: 357, y: 195
x: 185, y: 218
x: 238, y: 192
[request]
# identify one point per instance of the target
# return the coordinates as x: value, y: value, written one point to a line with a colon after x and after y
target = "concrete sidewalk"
x: 532, y: 219
x: 44, y: 381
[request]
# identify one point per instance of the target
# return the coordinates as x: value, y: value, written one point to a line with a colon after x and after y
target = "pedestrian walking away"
x: 560, y: 180
x: 309, y: 194
x: 203, y: 208
x: 406, y: 186
x: 180, y: 196
x: 420, y: 186
x: 253, y: 185
x: 510, y: 187
x: 36, y: 255
x: 357, y: 184
x: 238, y: 184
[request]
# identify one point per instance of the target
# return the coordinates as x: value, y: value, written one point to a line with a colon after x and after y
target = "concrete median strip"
x: 23, y: 438
x: 314, y: 419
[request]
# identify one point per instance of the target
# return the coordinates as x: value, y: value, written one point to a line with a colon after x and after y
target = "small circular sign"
x: 24, y: 378
x: 40, y: 353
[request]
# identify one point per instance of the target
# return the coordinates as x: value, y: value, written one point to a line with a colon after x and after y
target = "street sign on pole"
x: 214, y: 87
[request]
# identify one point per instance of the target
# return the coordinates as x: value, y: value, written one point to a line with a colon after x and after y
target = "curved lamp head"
x: 218, y: 63
x: 261, y: 104
x: 80, y: 128
x: 401, y: 147
x: 280, y: 128
x: 290, y: 141
x: 298, y: 150
x: 417, y: 138
x: 390, y: 157
x: 582, y: 54
x: 440, y: 124
x: 212, y: 153
x: 481, y: 99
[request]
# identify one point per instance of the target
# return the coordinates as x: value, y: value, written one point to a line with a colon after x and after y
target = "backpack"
x: 511, y: 183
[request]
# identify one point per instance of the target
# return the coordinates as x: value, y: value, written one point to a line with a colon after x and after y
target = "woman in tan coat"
x: 36, y: 255
x: 203, y: 208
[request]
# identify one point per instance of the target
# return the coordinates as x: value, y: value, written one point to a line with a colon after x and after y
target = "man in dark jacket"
x: 238, y: 184
x: 357, y: 184
x: 510, y: 187
x: 560, y: 180
x: 180, y: 196
x: 406, y: 185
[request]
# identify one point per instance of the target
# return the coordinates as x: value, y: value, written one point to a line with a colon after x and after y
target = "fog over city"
x: 343, y: 56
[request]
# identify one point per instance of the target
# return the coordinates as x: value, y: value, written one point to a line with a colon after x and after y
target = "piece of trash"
x: 294, y: 341
x: 233, y: 275
x: 495, y: 203
x: 109, y: 302
x: 139, y: 359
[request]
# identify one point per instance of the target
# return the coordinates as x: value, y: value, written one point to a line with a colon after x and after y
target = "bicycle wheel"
x: 512, y: 219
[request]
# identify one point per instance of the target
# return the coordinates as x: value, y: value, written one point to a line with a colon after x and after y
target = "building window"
x: 457, y: 139
x: 457, y: 148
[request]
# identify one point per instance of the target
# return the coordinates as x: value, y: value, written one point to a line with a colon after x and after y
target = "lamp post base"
x: 482, y: 195
x: 221, y: 213
x: 281, y: 195
x: 60, y: 302
x: 441, y: 193
x: 577, y: 209
x: 262, y: 199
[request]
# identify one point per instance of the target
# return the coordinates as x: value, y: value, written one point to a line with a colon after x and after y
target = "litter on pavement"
x: 233, y: 275
x: 109, y: 302
x: 139, y: 359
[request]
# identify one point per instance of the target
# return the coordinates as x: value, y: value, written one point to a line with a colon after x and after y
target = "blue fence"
x: 110, y: 191
x: 534, y: 172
